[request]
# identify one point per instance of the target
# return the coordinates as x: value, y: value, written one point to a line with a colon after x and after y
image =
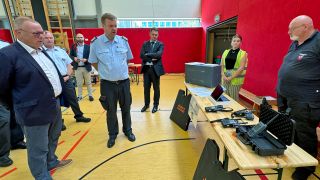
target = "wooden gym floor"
x: 162, y: 150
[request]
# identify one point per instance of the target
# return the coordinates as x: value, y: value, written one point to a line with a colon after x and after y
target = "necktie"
x: 152, y: 45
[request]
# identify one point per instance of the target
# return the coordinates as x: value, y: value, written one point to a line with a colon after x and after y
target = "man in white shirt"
x: 31, y: 82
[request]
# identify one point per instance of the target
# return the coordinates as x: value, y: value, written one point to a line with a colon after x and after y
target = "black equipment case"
x: 266, y: 144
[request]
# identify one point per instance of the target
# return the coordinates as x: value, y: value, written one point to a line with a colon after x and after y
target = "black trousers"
x: 4, y: 132
x: 111, y: 94
x: 70, y: 95
x: 307, y: 117
x: 16, y: 132
x: 149, y: 77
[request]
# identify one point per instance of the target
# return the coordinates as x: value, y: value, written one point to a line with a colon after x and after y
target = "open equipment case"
x: 264, y: 143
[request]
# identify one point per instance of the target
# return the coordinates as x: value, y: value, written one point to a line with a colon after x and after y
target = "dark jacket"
x: 25, y: 84
x: 86, y: 52
x: 148, y: 53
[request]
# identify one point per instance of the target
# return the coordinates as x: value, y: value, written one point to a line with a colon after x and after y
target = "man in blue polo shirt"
x: 112, y: 53
x: 299, y: 86
x: 63, y: 62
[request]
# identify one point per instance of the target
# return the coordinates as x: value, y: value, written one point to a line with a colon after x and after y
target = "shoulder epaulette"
x: 93, y: 39
x: 126, y: 39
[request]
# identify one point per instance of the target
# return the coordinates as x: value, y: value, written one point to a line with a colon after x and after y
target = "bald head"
x: 301, y: 28
x: 302, y: 19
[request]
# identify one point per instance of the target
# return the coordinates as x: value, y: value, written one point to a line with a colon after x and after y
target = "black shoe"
x: 79, y: 98
x: 131, y: 137
x: 154, y: 109
x: 91, y: 98
x: 63, y: 126
x: 111, y: 142
x: 5, y: 162
x: 144, y: 108
x: 19, y: 145
x: 83, y: 119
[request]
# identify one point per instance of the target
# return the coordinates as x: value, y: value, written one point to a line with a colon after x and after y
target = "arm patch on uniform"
x: 93, y: 39
x: 126, y: 39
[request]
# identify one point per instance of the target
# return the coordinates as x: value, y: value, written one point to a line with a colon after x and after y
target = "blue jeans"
x: 42, y: 142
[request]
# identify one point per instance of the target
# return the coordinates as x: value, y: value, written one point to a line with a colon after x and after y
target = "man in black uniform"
x: 299, y: 86
x: 152, y: 69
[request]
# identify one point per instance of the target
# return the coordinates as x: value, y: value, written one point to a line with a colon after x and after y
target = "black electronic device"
x: 260, y: 127
x: 217, y: 92
x: 217, y: 108
x: 227, y: 122
x: 245, y: 113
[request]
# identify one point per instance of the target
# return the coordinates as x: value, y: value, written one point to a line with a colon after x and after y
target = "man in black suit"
x: 79, y: 54
x: 152, y: 69
x: 31, y: 82
x: 10, y: 131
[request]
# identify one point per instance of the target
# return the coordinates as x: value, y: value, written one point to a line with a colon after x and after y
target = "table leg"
x: 136, y: 74
x: 226, y: 160
x: 280, y: 173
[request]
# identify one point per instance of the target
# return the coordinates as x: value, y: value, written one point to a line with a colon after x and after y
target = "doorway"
x: 219, y: 38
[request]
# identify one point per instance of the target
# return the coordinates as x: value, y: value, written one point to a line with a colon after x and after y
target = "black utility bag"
x: 179, y: 113
x: 210, y: 168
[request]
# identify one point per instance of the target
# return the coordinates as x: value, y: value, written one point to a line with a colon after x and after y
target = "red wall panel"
x: 5, y: 35
x: 181, y: 45
x: 264, y: 27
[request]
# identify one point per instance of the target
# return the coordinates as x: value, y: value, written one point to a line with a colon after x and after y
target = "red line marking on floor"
x: 262, y: 177
x: 70, y: 150
x: 61, y: 142
x: 76, y: 133
x: 6, y: 173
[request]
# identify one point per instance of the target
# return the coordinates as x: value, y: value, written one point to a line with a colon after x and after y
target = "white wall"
x: 85, y: 7
x: 2, y: 10
x: 159, y: 9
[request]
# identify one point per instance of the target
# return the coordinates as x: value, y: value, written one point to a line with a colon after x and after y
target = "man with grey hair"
x: 112, y: 53
x: 31, y: 80
x: 298, y: 86
x: 63, y: 63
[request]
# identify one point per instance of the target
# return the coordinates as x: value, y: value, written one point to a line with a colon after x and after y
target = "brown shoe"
x: 63, y: 163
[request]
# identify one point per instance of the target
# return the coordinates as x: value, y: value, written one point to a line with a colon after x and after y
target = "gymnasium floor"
x: 161, y: 151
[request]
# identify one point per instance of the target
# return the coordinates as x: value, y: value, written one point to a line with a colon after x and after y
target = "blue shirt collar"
x: 105, y: 39
x: 46, y: 49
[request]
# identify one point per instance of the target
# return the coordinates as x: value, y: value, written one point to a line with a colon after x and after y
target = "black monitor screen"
x: 217, y: 92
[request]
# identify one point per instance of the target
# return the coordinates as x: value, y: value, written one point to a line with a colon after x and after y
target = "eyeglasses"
x: 35, y: 34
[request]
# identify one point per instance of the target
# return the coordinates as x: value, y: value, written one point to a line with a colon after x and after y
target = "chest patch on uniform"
x: 301, y: 56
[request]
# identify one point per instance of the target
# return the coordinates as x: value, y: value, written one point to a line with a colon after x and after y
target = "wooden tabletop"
x: 243, y: 155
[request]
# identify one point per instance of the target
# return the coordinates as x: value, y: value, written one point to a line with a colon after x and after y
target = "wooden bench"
x: 256, y: 100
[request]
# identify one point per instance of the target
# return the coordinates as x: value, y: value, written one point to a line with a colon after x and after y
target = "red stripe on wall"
x: 5, y: 35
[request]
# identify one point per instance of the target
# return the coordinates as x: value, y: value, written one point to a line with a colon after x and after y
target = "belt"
x: 115, y: 82
x: 65, y: 75
x: 148, y: 65
x: 81, y: 66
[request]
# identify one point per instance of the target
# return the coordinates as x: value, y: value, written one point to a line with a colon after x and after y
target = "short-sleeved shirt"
x: 299, y: 74
x: 112, y: 57
x: 3, y: 44
x: 60, y: 58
